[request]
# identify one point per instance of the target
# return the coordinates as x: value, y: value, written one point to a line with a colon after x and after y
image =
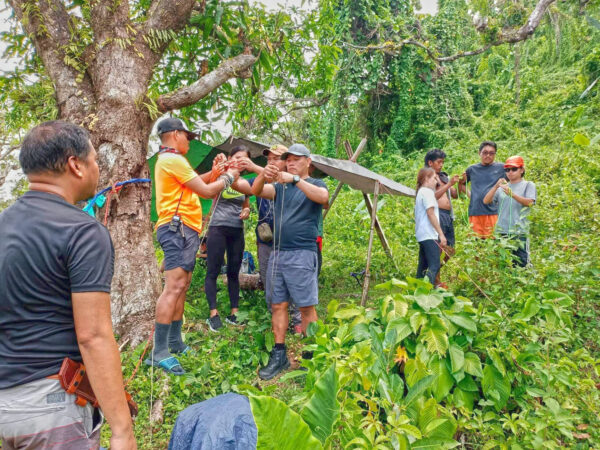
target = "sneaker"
x: 232, y: 320
x: 278, y: 362
x: 214, y: 323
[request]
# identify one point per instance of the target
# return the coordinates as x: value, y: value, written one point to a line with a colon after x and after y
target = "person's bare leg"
x: 176, y: 343
x: 280, y: 321
x: 309, y: 314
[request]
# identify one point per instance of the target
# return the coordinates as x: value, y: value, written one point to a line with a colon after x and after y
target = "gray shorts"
x: 180, y: 251
x: 293, y: 274
x: 41, y: 414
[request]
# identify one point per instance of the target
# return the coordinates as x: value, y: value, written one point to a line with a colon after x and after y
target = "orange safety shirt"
x: 171, y: 172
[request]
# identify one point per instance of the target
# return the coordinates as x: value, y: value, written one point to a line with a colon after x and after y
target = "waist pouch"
x: 74, y: 380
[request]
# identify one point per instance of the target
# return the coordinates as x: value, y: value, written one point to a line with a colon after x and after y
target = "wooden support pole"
x: 365, y: 291
x: 353, y: 157
x: 369, y: 205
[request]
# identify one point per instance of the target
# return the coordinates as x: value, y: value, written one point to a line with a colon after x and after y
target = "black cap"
x: 173, y: 124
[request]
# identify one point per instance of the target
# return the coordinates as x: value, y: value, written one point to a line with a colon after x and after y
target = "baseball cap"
x: 298, y: 150
x: 514, y: 161
x: 277, y: 150
x: 173, y: 124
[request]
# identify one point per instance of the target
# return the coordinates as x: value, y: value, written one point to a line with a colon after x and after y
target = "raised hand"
x: 285, y: 177
x: 271, y: 173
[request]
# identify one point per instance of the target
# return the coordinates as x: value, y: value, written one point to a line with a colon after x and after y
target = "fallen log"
x: 248, y: 281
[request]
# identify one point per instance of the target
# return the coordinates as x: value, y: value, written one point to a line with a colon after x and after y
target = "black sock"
x: 279, y: 347
x: 176, y: 343
x: 161, y: 337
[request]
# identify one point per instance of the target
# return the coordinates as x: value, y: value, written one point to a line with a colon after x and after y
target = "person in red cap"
x: 514, y: 199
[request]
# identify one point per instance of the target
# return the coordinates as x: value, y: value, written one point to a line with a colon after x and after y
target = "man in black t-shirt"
x: 293, y: 265
x: 56, y: 267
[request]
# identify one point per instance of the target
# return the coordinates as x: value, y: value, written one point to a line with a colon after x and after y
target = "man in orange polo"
x: 482, y: 177
x: 177, y: 231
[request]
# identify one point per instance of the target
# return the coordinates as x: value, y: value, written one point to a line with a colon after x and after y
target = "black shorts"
x: 180, y: 251
x: 447, y: 225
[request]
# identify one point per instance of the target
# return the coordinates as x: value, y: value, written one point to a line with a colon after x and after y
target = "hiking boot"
x: 214, y: 323
x: 278, y: 362
x: 232, y: 320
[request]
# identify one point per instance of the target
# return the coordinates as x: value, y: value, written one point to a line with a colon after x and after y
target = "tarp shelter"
x: 201, y: 156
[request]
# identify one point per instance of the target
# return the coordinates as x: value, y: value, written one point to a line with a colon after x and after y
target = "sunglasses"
x: 511, y: 169
x: 488, y: 153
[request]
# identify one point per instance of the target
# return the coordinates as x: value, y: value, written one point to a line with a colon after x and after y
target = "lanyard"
x: 163, y: 149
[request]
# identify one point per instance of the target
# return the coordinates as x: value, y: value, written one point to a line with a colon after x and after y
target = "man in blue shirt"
x: 293, y: 265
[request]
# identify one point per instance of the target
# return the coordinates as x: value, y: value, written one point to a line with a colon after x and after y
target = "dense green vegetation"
x: 507, y: 358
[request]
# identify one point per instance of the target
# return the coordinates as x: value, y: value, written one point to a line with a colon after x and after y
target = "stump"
x: 248, y: 281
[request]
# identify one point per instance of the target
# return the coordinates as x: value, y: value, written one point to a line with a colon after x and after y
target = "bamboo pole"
x: 365, y: 291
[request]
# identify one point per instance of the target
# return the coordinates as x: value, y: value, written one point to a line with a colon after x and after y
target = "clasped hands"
x: 272, y: 174
x: 503, y: 184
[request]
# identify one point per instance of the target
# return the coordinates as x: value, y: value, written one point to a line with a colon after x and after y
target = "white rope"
x: 276, y: 246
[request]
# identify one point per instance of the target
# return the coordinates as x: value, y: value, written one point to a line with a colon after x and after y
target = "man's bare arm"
x: 93, y: 327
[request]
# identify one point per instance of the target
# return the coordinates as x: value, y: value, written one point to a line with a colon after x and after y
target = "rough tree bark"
x: 106, y: 95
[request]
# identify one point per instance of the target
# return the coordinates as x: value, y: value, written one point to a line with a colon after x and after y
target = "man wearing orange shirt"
x: 177, y: 230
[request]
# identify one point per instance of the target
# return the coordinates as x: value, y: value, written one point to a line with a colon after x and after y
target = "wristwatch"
x: 295, y: 179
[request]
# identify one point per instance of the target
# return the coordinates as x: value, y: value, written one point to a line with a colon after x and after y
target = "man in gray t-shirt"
x: 482, y: 177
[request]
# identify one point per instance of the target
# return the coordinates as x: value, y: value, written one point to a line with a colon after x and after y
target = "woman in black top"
x: 226, y: 235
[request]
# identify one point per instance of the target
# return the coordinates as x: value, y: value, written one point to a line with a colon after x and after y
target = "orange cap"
x: 514, y: 161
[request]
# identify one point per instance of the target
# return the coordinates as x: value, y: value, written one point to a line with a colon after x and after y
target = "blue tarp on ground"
x: 223, y: 422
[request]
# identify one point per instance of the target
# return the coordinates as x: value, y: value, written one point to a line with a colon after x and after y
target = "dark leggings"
x: 218, y: 241
x: 429, y: 260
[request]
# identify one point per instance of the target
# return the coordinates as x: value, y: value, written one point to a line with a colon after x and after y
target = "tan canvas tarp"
x: 358, y: 177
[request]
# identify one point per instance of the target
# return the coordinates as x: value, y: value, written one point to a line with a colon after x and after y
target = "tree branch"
x: 47, y: 23
x: 506, y: 37
x: 512, y: 36
x: 169, y: 14
x: 109, y: 17
x: 188, y: 95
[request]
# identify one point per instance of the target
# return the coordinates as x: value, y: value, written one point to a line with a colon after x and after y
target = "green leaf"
x: 495, y: 387
x: 269, y: 341
x: 323, y: 409
x: 530, y: 309
x: 433, y: 443
x: 402, y: 328
x: 581, y: 139
x: 464, y: 399
x: 443, y: 378
x: 427, y: 413
x: 360, y: 332
x: 417, y: 320
x: 473, y: 365
x: 463, y: 321
x: 347, y: 313
x: 436, y: 339
x: 497, y: 360
x: 429, y: 301
x: 457, y: 357
x: 279, y: 427
x: 418, y: 389
x: 467, y: 384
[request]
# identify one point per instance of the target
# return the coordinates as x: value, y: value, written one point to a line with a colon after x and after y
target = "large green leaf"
x: 402, y: 328
x: 323, y: 409
x: 473, y: 365
x: 494, y: 355
x: 436, y: 340
x: 280, y: 428
x: 495, y: 386
x: 463, y: 321
x: 429, y: 301
x: 418, y: 389
x: 443, y: 378
x: 581, y: 139
x: 457, y: 357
